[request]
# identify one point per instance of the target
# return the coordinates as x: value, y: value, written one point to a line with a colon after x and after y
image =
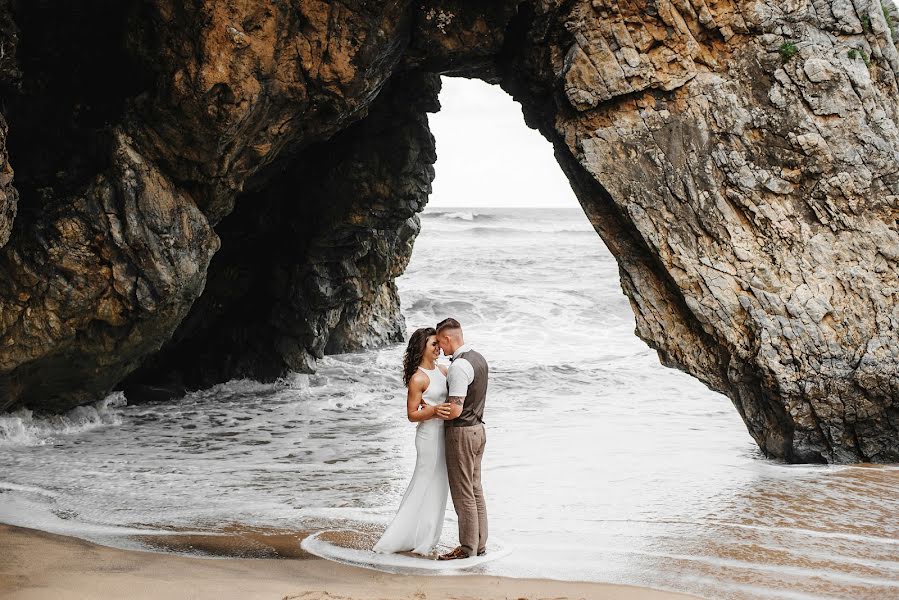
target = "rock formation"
x: 180, y: 165
x: 742, y: 162
x: 307, y: 263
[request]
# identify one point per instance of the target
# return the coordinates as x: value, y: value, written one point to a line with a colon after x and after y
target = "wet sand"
x: 232, y: 541
x: 38, y: 565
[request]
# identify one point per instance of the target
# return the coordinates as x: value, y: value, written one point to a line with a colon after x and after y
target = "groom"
x: 465, y: 438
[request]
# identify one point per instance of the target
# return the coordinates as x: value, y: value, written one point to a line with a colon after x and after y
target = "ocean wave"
x: 460, y: 215
x: 482, y: 230
x: 22, y: 428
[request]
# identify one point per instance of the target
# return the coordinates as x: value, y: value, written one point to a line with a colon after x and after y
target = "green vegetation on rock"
x: 788, y: 50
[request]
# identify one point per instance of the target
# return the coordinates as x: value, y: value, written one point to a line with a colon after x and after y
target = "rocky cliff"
x: 184, y: 165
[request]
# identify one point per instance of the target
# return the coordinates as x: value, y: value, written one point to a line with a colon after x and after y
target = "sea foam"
x: 23, y: 428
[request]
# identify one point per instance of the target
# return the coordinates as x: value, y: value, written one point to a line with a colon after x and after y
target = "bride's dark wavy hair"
x: 418, y: 343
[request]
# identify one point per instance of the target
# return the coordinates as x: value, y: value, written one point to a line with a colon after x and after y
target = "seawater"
x: 601, y: 464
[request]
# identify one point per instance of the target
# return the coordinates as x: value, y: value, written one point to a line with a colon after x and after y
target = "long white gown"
x: 419, y: 519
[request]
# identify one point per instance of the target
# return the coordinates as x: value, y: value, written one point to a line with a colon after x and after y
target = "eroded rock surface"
x: 308, y: 264
x: 9, y: 196
x: 739, y: 158
x: 98, y: 282
x: 742, y: 162
x: 239, y: 84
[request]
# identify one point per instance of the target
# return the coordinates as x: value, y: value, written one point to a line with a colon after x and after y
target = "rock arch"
x: 261, y: 164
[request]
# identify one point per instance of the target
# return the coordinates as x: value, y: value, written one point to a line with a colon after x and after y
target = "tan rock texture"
x: 739, y: 158
x: 308, y: 263
x: 9, y: 196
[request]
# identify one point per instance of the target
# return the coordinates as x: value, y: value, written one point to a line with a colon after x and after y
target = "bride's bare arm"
x: 416, y: 410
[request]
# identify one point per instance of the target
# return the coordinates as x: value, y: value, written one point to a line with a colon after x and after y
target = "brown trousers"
x: 464, y: 450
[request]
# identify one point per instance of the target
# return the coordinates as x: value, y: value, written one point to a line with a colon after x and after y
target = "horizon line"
x: 500, y: 206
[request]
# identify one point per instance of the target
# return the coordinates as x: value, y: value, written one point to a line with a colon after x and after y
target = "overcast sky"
x: 487, y: 156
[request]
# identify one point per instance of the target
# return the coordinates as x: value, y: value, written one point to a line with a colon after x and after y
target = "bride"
x: 419, y: 519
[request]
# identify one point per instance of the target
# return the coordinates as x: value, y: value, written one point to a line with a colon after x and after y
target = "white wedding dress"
x: 419, y: 519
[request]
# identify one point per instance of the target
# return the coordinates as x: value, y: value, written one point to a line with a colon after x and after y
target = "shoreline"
x: 39, y: 565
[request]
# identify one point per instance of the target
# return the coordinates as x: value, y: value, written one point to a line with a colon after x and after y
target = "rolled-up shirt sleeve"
x: 459, y: 377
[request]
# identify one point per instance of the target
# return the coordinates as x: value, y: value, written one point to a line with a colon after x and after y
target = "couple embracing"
x: 448, y: 405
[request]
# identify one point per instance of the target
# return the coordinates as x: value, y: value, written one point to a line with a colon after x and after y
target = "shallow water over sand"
x: 600, y: 465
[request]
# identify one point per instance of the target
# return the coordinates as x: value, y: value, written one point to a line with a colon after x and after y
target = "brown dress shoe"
x: 455, y: 554
x: 482, y: 551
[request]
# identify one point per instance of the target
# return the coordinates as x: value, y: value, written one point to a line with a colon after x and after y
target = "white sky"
x: 487, y: 156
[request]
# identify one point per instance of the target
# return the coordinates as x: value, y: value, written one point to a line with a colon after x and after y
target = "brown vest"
x: 473, y: 409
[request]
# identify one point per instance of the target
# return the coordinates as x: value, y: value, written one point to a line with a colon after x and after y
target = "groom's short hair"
x: 449, y: 323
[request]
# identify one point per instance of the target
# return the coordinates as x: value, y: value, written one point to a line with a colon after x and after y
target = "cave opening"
x: 487, y: 156
x: 506, y: 248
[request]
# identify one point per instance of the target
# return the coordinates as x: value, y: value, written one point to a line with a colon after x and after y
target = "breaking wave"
x: 23, y: 428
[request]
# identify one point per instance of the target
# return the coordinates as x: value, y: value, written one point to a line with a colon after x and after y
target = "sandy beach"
x: 38, y: 565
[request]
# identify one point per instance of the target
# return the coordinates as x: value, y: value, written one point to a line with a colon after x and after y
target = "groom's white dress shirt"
x: 460, y: 373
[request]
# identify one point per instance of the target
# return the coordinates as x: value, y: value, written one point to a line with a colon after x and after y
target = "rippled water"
x: 600, y: 465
